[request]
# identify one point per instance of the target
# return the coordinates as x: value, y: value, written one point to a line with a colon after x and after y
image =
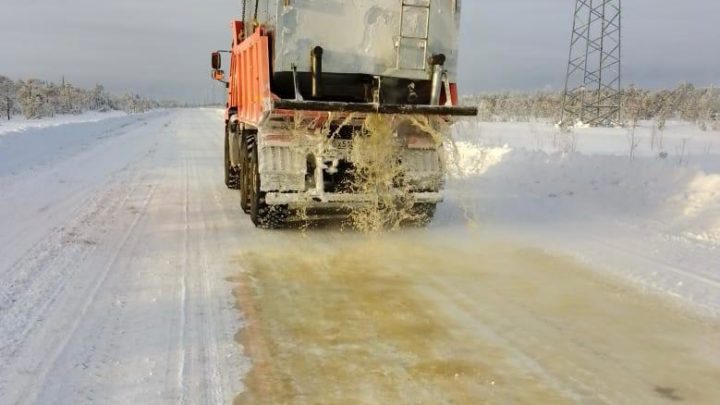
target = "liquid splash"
x: 377, y: 155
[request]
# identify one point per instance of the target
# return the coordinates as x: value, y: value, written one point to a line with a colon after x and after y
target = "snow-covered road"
x: 128, y: 274
x: 113, y: 254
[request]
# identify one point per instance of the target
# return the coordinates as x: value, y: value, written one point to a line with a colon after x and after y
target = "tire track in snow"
x: 74, y: 197
x: 180, y: 384
x: 700, y: 278
x: 39, y: 380
x: 213, y: 380
x: 44, y: 272
x: 83, y: 343
x: 466, y: 308
x: 40, y: 287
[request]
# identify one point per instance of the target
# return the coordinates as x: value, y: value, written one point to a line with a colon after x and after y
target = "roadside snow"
x: 34, y: 144
x: 653, y: 218
x: 21, y: 124
x: 680, y: 142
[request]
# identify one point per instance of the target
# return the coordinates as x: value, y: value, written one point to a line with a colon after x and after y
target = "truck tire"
x: 232, y: 177
x: 245, y: 180
x: 261, y: 214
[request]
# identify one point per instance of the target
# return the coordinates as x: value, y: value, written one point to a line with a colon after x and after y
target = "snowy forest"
x: 686, y: 102
x: 33, y: 98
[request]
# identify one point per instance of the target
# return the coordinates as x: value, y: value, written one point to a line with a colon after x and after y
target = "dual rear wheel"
x: 232, y: 176
x: 246, y: 178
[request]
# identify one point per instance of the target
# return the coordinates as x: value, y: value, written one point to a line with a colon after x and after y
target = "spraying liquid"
x: 379, y: 172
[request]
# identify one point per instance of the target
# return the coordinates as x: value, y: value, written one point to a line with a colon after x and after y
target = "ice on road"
x: 459, y: 319
x: 128, y: 274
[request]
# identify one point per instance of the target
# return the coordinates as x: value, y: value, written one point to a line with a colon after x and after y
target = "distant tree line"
x: 33, y: 98
x: 686, y: 102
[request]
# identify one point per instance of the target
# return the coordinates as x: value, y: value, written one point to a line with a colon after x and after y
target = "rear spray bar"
x: 371, y: 108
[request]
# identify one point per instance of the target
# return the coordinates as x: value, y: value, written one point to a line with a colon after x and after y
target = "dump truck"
x: 303, y: 78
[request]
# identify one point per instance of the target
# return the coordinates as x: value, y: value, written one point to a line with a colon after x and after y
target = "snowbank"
x: 28, y: 144
x: 21, y: 124
x: 653, y: 217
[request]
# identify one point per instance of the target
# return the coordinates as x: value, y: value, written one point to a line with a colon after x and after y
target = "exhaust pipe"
x: 438, y: 72
x: 316, y: 65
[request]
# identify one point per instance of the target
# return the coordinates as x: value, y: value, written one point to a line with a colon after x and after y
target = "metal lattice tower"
x: 592, y: 84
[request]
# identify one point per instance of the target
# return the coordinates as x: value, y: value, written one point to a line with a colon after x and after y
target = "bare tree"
x: 635, y: 107
x: 7, y: 97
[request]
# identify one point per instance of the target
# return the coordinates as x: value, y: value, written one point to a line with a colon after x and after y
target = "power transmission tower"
x: 592, y: 84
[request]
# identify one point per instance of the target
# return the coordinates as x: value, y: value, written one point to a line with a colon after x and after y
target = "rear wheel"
x: 262, y: 215
x: 245, y: 180
x: 232, y: 177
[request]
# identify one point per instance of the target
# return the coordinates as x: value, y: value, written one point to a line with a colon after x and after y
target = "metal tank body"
x: 389, y: 38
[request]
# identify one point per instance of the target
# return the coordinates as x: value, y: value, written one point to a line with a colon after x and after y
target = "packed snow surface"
x: 562, y: 267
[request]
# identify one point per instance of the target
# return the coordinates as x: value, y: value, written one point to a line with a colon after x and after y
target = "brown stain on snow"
x: 404, y: 321
x: 344, y: 328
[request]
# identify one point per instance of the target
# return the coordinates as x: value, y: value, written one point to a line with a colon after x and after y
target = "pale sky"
x: 161, y: 48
